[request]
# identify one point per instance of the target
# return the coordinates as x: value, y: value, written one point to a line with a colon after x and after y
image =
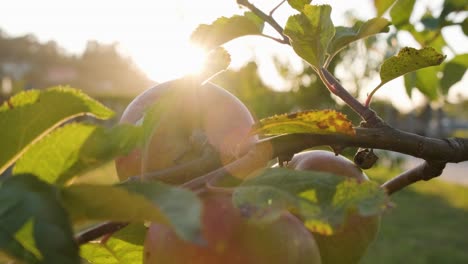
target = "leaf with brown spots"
x: 311, y: 121
x: 408, y: 60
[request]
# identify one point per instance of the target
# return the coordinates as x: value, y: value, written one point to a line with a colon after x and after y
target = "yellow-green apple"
x: 349, y: 243
x: 233, y: 238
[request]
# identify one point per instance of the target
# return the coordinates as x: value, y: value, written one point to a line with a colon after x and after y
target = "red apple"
x: 349, y: 244
x: 197, y: 116
x: 231, y: 238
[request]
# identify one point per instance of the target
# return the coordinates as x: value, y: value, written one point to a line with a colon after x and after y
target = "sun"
x: 193, y: 59
x: 169, y: 59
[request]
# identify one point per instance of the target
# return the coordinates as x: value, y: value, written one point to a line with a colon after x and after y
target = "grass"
x: 429, y: 224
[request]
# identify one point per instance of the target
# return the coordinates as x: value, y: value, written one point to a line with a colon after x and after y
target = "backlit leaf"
x: 431, y: 38
x: 136, y: 202
x: 454, y: 70
x: 25, y: 236
x: 217, y: 61
x: 453, y: 6
x: 35, y: 226
x: 313, y: 121
x: 401, y: 13
x: 382, y: 6
x: 321, y: 200
x: 310, y: 33
x: 425, y: 80
x: 464, y: 26
x: 346, y: 35
x: 408, y: 60
x: 123, y: 247
x: 76, y: 148
x: 225, y: 29
x: 28, y: 116
x: 299, y: 4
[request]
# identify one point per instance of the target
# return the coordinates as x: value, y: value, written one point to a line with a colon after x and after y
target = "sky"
x: 156, y: 33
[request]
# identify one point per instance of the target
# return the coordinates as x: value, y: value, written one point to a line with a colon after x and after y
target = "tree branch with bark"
x: 435, y: 152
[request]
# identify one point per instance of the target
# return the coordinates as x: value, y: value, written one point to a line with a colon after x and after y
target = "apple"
x: 197, y: 118
x: 231, y: 237
x: 200, y: 117
x: 349, y: 243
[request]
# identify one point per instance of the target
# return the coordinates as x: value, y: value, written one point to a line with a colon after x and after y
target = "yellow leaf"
x: 312, y: 121
x: 319, y: 227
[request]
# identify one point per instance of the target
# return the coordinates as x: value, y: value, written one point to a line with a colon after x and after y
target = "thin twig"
x: 367, y: 114
x: 276, y: 7
x: 371, y: 95
x: 270, y: 20
x: 275, y: 39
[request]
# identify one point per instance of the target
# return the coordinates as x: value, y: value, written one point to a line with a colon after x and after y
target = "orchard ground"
x: 428, y: 224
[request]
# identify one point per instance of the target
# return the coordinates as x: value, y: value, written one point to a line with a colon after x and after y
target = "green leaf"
x: 450, y: 6
x: 382, y: 6
x: 35, y: 227
x: 225, y: 29
x: 401, y: 13
x: 299, y: 4
x: 124, y: 247
x: 312, y: 121
x: 408, y: 60
x: 11, y: 249
x: 26, y: 237
x: 217, y: 60
x: 321, y: 200
x: 431, y: 38
x: 410, y: 83
x: 453, y: 71
x: 28, y: 116
x: 430, y: 22
x: 310, y: 33
x: 426, y: 81
x: 76, y: 148
x: 346, y: 35
x: 132, y: 201
x: 464, y: 26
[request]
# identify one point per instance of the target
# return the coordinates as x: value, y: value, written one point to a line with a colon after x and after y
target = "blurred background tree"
x: 101, y: 71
